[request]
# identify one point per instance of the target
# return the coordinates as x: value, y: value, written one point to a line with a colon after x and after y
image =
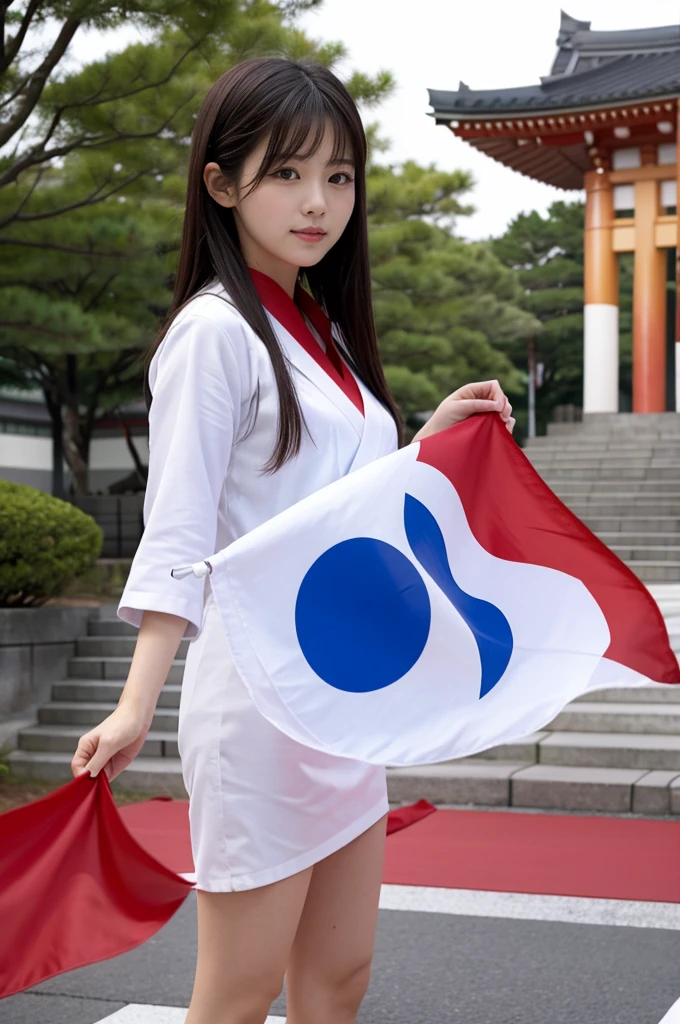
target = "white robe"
x: 262, y: 806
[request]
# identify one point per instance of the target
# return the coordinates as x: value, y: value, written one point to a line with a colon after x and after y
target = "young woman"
x: 260, y: 393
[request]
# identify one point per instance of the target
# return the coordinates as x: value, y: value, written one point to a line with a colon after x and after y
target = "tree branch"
x: 100, y: 291
x: 38, y: 80
x: 94, y: 197
x: 94, y: 100
x: 14, y: 44
x: 61, y: 248
x: 31, y: 328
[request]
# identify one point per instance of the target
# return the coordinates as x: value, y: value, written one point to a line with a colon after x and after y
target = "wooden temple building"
x: 605, y: 119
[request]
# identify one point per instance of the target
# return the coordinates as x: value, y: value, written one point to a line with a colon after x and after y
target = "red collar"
x: 288, y: 314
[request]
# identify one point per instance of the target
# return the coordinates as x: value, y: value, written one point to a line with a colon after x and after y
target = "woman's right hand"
x: 111, y: 745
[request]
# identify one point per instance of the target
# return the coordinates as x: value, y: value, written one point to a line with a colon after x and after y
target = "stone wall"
x: 35, y: 645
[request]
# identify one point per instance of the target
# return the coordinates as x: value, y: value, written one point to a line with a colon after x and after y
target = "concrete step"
x: 115, y: 646
x: 89, y: 713
x: 611, y: 750
x: 585, y: 460
x: 597, y: 506
x: 641, y: 488
x: 568, y: 471
x: 559, y: 787
x: 64, y: 738
x: 645, y: 552
x: 657, y: 572
x: 614, y: 716
x: 114, y: 668
x: 147, y: 774
x: 661, y: 694
x: 110, y: 627
x: 616, y: 447
x: 96, y: 690
x: 666, y: 526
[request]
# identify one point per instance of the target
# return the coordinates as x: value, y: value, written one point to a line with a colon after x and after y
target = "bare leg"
x: 330, y: 962
x: 244, y: 941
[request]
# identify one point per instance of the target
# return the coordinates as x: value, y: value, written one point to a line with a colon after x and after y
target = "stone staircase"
x: 617, y: 751
x: 620, y: 474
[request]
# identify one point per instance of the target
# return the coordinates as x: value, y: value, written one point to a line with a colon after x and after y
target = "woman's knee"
x: 233, y: 1000
x: 337, y: 994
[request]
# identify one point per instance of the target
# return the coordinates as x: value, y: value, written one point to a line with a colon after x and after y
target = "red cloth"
x: 75, y: 887
x: 404, y: 816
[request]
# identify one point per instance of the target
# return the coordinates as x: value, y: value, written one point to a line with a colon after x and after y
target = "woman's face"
x: 297, y: 195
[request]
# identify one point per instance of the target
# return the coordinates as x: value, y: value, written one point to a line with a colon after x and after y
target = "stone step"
x: 567, y: 471
x: 611, y: 750
x: 559, y: 787
x: 89, y: 713
x: 656, y: 525
x: 614, y: 716
x: 641, y: 538
x: 614, y: 446
x: 668, y: 693
x: 64, y: 738
x: 620, y: 506
x: 97, y: 691
x: 110, y: 627
x: 586, y: 460
x: 116, y: 646
x: 657, y: 572
x: 635, y: 488
x: 646, y: 553
x: 114, y: 668
x: 147, y: 774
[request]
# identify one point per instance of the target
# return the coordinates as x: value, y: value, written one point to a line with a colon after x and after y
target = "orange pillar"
x: 649, y: 298
x: 677, y: 264
x: 601, y: 295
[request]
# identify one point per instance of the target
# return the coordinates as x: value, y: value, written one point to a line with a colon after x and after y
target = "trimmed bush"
x: 44, y: 544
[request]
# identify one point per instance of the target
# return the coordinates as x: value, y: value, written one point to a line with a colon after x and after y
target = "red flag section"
x: 75, y: 887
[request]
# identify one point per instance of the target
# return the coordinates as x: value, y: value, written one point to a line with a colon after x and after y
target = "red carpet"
x: 567, y: 855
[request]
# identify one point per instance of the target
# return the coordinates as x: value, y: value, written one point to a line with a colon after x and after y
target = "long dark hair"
x: 290, y: 100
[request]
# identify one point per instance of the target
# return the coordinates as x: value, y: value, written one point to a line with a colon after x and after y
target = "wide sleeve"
x: 197, y: 386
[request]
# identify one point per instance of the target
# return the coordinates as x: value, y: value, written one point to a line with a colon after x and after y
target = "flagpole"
x: 532, y: 388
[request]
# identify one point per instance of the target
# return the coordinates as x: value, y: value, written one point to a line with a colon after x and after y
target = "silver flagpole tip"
x: 198, y: 569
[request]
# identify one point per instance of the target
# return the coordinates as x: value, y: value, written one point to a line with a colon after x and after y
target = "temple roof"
x: 604, y: 91
x: 589, y: 70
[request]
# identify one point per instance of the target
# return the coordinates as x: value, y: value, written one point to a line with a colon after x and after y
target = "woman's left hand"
x: 485, y: 396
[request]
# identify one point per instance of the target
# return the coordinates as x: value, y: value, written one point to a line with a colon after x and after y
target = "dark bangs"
x: 298, y: 127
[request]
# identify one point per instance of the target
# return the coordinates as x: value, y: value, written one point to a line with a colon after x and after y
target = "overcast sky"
x: 436, y: 43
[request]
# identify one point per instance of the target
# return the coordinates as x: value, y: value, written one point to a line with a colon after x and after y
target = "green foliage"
x: 445, y: 309
x: 44, y: 544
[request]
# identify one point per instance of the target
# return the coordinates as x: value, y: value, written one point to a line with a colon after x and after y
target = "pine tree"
x: 445, y: 308
x: 92, y: 187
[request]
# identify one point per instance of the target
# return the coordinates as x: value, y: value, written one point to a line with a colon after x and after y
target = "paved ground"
x: 505, y: 960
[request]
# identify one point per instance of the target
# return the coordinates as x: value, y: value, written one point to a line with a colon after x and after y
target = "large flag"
x: 431, y: 605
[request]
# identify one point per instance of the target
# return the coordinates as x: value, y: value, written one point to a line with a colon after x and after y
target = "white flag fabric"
x: 439, y: 601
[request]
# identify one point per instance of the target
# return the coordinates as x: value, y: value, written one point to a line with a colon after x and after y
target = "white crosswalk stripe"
x: 144, y: 1013
x: 673, y: 1015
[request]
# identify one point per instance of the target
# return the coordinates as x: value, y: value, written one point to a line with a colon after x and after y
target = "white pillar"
x: 600, y: 358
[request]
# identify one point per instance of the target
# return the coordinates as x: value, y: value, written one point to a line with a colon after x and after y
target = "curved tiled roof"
x: 590, y: 69
x: 637, y: 76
